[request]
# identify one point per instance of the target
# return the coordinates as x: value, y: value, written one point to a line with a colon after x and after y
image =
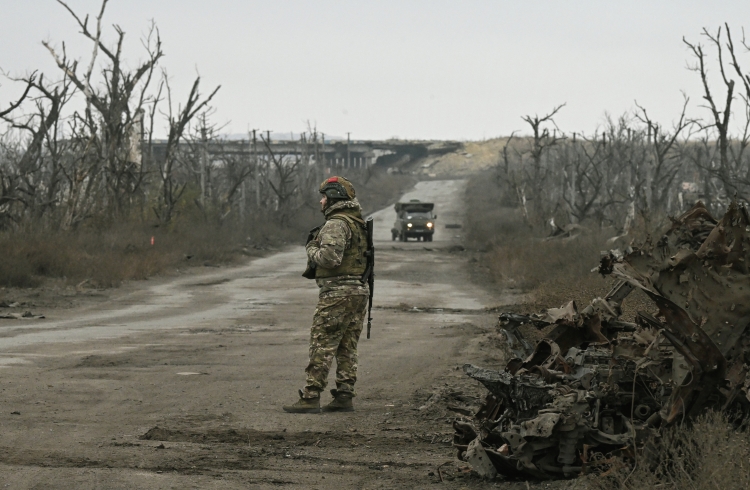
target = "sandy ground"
x: 179, y: 382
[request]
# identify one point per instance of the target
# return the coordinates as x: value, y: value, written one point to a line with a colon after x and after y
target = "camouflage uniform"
x: 342, y: 302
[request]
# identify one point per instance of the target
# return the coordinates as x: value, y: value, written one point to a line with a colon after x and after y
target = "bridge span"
x: 332, y: 154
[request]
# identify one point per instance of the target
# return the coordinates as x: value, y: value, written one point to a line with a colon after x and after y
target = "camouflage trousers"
x: 335, y: 333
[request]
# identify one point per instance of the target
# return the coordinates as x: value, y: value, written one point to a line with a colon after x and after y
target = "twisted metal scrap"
x: 588, y: 394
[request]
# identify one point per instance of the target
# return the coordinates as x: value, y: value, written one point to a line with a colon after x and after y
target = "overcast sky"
x: 409, y: 68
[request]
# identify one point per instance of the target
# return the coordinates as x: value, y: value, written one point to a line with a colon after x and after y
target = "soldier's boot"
x: 304, y: 405
x: 342, y: 402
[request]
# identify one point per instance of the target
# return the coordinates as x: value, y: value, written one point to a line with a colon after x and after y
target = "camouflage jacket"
x: 327, y: 250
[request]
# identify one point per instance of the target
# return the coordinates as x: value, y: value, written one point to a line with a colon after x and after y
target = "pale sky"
x: 427, y: 69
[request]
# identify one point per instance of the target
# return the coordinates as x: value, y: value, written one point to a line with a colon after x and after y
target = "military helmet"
x: 337, y: 188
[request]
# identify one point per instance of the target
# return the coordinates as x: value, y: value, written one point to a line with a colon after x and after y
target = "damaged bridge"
x: 343, y: 154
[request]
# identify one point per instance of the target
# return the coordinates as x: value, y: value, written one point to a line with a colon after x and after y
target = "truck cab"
x: 414, y: 219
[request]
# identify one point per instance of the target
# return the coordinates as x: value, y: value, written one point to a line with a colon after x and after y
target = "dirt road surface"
x: 178, y: 382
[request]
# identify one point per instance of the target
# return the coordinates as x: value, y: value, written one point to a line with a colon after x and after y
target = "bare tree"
x: 582, y: 166
x: 665, y: 163
x: 36, y: 169
x: 285, y: 177
x: 219, y: 167
x: 542, y: 141
x: 113, y: 105
x: 14, y: 105
x: 720, y: 117
x: 82, y: 173
x: 510, y: 179
x: 171, y: 189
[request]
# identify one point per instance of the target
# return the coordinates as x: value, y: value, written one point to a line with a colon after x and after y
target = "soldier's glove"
x: 312, y: 243
x: 313, y: 235
x: 309, y: 271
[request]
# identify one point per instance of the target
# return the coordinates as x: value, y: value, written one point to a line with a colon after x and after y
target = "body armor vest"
x: 354, y: 261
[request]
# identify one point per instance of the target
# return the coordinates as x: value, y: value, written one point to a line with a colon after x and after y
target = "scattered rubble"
x: 594, y: 390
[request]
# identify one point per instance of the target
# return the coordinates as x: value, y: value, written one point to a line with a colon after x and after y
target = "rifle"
x: 369, y: 275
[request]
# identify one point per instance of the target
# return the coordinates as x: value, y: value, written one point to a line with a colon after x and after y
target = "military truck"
x: 414, y: 219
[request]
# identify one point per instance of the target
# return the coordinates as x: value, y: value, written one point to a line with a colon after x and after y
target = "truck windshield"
x: 418, y: 216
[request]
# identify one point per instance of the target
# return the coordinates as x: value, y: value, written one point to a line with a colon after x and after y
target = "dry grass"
x: 711, y: 454
x: 104, y: 257
x: 106, y: 254
x: 519, y: 257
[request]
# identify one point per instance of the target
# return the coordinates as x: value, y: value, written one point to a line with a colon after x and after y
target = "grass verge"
x: 517, y: 256
x: 105, y: 255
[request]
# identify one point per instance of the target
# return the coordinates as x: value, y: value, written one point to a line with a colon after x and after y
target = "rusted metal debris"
x: 592, y: 391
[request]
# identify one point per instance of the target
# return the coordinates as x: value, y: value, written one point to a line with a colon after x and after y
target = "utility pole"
x: 268, y: 161
x: 243, y: 192
x: 243, y: 201
x: 348, y: 160
x: 204, y: 162
x: 316, y: 151
x: 257, y: 171
x: 323, y: 154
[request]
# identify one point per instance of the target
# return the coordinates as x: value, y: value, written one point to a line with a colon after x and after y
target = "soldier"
x: 337, y: 254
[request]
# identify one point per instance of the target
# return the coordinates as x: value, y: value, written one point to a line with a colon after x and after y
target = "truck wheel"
x: 394, y: 236
x: 402, y: 237
x: 429, y: 238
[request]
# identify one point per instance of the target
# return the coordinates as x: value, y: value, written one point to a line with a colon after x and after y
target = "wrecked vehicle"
x: 414, y: 219
x: 594, y: 389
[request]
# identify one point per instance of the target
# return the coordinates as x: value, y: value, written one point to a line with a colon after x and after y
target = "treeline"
x: 79, y: 147
x: 635, y: 168
x: 89, y: 196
